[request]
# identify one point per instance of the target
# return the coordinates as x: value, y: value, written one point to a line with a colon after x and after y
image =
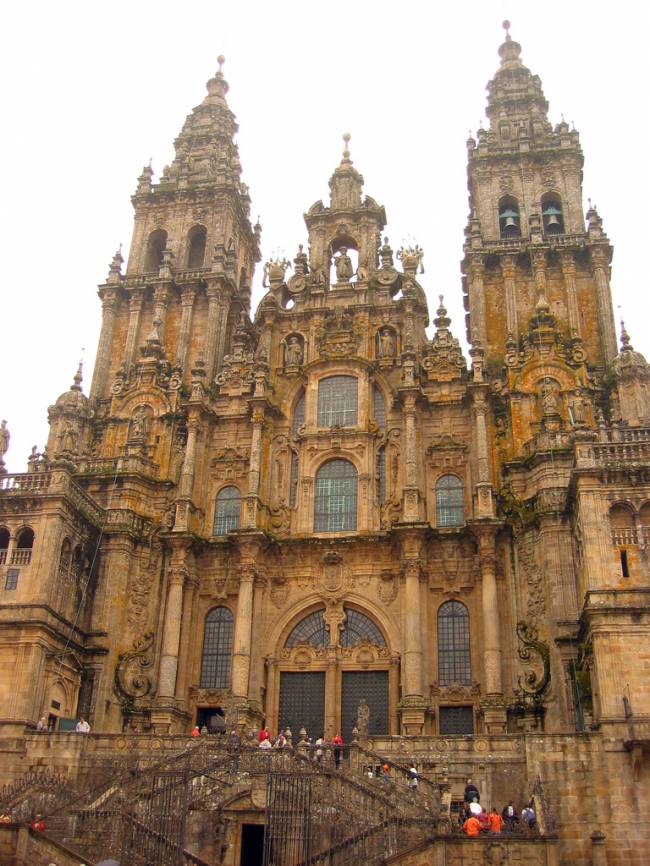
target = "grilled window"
x: 449, y: 501
x: 335, y: 507
x: 456, y: 720
x: 359, y: 627
x: 293, y: 481
x: 454, y: 659
x: 381, y: 475
x: 298, y: 414
x: 337, y: 401
x: 311, y: 630
x: 378, y: 407
x: 217, y: 649
x: 227, y: 511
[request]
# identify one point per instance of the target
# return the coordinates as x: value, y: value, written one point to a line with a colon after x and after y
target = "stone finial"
x: 78, y: 378
x: 5, y: 437
x: 442, y: 320
x: 217, y: 87
x: 300, y: 261
x: 346, y: 148
x: 626, y: 345
x: 144, y: 181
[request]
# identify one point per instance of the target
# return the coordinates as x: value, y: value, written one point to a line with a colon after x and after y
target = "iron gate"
x: 302, y: 702
x: 288, y: 819
x: 371, y: 685
x: 153, y: 829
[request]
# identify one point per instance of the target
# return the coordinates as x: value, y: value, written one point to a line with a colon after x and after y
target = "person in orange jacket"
x: 472, y: 827
x: 195, y: 731
x: 495, y: 821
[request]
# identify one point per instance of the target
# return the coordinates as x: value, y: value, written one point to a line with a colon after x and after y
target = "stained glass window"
x: 217, y: 649
x: 381, y: 475
x: 449, y: 501
x: 337, y: 401
x: 293, y: 481
x: 454, y: 660
x: 378, y: 407
x: 298, y: 415
x: 335, y: 508
x: 310, y: 630
x: 359, y: 627
x: 227, y: 511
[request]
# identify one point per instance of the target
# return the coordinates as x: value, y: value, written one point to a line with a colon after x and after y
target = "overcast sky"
x: 92, y: 90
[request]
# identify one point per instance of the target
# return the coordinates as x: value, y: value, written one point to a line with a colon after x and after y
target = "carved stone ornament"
x: 535, y: 683
x: 387, y: 589
x: 338, y: 337
x: 132, y: 678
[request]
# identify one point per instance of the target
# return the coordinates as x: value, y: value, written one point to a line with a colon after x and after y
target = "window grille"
x: 217, y: 649
x: 337, y: 401
x: 11, y: 578
x: 381, y: 475
x: 311, y: 630
x: 378, y: 407
x: 449, y: 501
x: 359, y: 627
x: 454, y: 658
x: 293, y: 481
x: 335, y: 508
x: 456, y: 720
x: 227, y: 511
x: 298, y: 415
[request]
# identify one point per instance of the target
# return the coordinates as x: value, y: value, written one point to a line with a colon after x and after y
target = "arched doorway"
x: 331, y: 660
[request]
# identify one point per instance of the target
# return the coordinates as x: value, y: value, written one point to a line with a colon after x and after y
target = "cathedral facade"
x: 280, y: 515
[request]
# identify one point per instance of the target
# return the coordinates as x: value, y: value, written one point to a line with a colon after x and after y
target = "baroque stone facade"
x: 273, y: 514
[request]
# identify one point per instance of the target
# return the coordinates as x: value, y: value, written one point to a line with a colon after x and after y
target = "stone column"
x: 509, y: 270
x: 539, y: 272
x: 412, y: 681
x: 331, y: 681
x: 102, y: 363
x: 186, y: 485
x: 241, y: 657
x: 188, y: 627
x: 484, y: 502
x: 211, y: 330
x: 599, y: 267
x: 254, y: 469
x: 569, y: 274
x: 171, y: 634
x: 492, y: 688
x: 161, y: 300
x: 187, y: 307
x: 475, y: 291
x: 135, y: 307
x: 411, y: 510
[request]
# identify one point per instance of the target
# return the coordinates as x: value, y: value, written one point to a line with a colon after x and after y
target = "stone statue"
x: 32, y: 460
x: 5, y: 436
x: 549, y: 398
x: 138, y: 425
x: 293, y: 352
x: 363, y: 717
x: 386, y: 343
x: 343, y: 265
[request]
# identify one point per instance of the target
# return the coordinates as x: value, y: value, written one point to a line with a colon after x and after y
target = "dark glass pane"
x: 11, y: 578
x: 335, y: 508
x: 371, y: 685
x: 217, y: 649
x: 298, y: 419
x: 337, y: 401
x: 449, y: 501
x: 293, y: 483
x: 381, y: 475
x: 456, y: 720
x: 454, y: 658
x: 310, y: 630
x: 227, y: 512
x: 378, y: 407
x: 359, y: 627
x: 302, y: 703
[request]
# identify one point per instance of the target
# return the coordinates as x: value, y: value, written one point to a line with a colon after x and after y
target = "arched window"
x: 217, y: 649
x: 381, y: 475
x: 227, y: 511
x: 293, y: 480
x: 454, y: 659
x: 155, y: 246
x: 378, y: 407
x: 449, y: 501
x: 22, y: 552
x: 509, y: 222
x: 552, y: 217
x: 196, y: 247
x: 337, y: 401
x: 359, y: 627
x: 335, y: 508
x: 311, y: 630
x: 298, y: 419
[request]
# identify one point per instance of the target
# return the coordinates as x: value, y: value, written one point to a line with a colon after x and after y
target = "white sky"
x: 92, y: 90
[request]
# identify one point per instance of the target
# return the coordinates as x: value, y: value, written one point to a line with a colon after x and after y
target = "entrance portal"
x: 371, y: 685
x: 252, y: 845
x: 302, y: 702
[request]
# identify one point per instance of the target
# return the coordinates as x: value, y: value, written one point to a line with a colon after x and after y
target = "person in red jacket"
x: 38, y: 824
x: 337, y: 742
x: 264, y: 734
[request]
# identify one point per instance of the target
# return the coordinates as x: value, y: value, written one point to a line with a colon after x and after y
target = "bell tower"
x: 526, y: 241
x: 192, y: 256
